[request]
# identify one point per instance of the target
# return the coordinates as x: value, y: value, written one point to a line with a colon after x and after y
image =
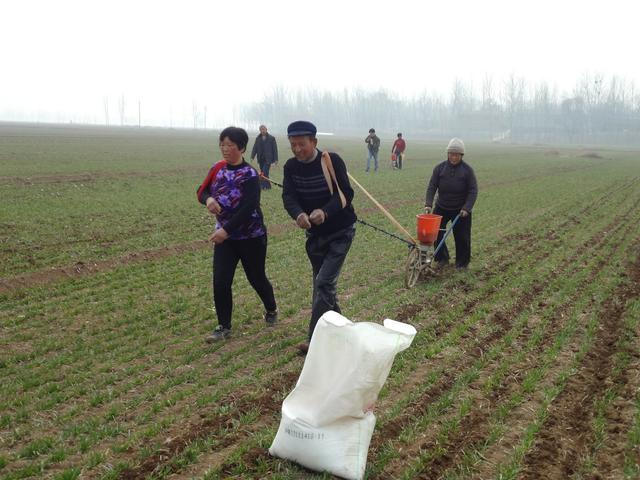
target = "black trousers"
x: 252, y: 253
x: 461, y: 234
x: 327, y: 254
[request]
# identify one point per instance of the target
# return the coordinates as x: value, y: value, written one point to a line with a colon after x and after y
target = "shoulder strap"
x: 330, y: 176
x: 210, y: 177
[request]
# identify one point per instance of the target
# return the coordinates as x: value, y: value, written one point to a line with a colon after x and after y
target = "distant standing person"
x: 231, y: 192
x: 373, y: 145
x: 397, y: 149
x: 317, y: 194
x: 266, y: 149
x: 455, y: 182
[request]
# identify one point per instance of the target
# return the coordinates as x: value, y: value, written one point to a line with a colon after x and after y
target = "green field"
x: 525, y: 367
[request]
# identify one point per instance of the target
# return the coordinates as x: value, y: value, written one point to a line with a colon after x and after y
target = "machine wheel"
x: 412, y: 270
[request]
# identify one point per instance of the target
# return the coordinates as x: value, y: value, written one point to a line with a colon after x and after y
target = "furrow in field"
x: 584, y: 293
x: 521, y: 305
x: 566, y: 437
x: 566, y: 262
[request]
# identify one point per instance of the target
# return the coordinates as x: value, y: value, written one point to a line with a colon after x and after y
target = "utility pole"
x: 121, y: 110
x: 105, y: 100
x: 195, y: 115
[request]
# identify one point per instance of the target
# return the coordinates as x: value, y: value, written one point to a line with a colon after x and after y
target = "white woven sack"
x: 327, y: 420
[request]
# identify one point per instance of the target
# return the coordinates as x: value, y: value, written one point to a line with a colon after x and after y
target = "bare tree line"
x: 598, y: 110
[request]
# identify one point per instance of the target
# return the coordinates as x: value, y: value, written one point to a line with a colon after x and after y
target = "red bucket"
x: 428, y: 227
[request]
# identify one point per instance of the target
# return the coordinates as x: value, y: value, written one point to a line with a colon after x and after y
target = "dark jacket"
x: 373, y: 143
x: 266, y: 150
x: 456, y: 185
x: 305, y: 189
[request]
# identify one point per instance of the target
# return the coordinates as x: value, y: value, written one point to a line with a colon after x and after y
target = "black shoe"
x: 271, y: 318
x: 303, y: 348
x: 462, y: 268
x: 220, y: 333
x: 440, y: 264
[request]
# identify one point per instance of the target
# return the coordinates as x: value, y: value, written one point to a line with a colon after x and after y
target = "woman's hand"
x: 219, y: 236
x: 213, y: 206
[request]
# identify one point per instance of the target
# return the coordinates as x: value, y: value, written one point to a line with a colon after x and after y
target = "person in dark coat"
x: 266, y: 149
x: 318, y: 196
x: 457, y: 187
x: 373, y: 145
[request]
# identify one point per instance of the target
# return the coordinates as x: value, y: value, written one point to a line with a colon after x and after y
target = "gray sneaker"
x: 271, y: 318
x: 220, y: 333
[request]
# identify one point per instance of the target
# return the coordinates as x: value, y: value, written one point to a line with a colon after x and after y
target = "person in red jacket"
x: 398, y: 149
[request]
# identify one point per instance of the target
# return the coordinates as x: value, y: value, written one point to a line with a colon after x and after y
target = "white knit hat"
x: 455, y: 146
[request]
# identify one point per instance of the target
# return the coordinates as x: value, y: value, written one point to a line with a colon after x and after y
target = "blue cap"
x: 300, y: 128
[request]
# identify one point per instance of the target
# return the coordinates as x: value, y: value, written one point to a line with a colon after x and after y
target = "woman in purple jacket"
x: 240, y: 235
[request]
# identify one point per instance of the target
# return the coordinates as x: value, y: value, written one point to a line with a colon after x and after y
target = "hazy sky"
x: 62, y: 58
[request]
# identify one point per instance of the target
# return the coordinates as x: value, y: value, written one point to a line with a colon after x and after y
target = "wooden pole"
x: 383, y: 210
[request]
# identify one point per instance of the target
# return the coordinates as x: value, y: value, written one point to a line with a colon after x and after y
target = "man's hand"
x: 219, y: 236
x: 427, y: 209
x: 303, y: 221
x: 464, y: 213
x: 213, y: 206
x: 317, y: 216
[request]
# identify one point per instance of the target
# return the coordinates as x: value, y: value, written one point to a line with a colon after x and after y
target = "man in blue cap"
x: 317, y: 194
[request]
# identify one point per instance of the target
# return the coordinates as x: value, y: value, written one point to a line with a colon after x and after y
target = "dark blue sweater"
x: 305, y: 189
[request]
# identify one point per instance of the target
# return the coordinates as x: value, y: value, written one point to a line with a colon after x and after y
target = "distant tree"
x: 121, y: 106
x: 514, y: 96
x: 105, y: 101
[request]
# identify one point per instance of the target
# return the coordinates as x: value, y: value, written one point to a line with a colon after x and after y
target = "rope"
x: 392, y: 235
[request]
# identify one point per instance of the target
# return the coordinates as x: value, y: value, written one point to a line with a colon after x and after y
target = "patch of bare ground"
x: 55, y: 274
x: 477, y: 346
x: 254, y: 455
x: 238, y: 343
x: 208, y: 461
x: 79, y: 269
x: 523, y: 414
x: 620, y: 415
x: 527, y: 178
x: 610, y: 459
x: 92, y: 177
x: 465, y: 438
x: 131, y: 393
x: 82, y: 268
x: 592, y: 155
x: 474, y: 346
x: 567, y: 436
x: 221, y: 428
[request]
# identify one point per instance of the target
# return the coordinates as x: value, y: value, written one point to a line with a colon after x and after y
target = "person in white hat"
x: 455, y: 182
